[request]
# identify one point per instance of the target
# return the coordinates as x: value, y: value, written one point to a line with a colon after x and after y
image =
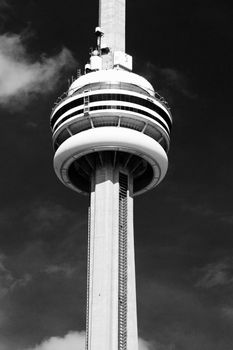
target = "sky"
x: 183, y: 228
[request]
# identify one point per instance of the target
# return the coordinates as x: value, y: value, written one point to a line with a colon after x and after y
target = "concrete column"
x: 112, y: 23
x: 104, y: 264
x: 103, y: 286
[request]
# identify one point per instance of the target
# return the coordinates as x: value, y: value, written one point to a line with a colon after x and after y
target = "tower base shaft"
x: 111, y: 314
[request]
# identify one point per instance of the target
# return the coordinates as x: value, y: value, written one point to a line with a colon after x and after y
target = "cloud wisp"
x: 8, y: 282
x: 171, y: 79
x: 216, y: 274
x: 21, y: 77
x: 63, y: 269
x: 4, y: 4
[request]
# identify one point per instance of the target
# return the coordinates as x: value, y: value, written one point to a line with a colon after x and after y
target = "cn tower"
x: 111, y: 135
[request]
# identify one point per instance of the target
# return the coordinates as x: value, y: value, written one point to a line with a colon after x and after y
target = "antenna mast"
x: 112, y: 24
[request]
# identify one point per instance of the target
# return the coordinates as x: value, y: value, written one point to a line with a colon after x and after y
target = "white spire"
x: 112, y: 24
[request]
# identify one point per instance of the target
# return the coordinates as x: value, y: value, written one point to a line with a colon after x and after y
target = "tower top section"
x: 112, y: 24
x: 110, y: 115
x: 110, y: 50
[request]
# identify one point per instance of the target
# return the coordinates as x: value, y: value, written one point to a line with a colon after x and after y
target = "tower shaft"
x: 112, y: 23
x: 111, y: 314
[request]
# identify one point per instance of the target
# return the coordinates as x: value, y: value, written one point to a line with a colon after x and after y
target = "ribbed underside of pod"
x: 80, y: 171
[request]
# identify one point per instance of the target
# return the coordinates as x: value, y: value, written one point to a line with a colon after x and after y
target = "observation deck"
x: 111, y: 116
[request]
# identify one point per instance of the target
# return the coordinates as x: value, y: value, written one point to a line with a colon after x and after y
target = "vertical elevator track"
x: 122, y: 296
x: 88, y: 278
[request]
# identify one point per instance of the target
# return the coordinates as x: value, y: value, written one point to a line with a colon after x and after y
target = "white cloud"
x: 21, y: 77
x: 71, y: 341
x: 75, y: 341
x: 144, y: 345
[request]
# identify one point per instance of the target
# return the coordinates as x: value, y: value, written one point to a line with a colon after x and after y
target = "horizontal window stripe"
x: 123, y: 108
x: 111, y: 97
x: 75, y: 103
x: 133, y: 99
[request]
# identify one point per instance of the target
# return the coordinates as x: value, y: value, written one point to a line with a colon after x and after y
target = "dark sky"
x: 183, y: 229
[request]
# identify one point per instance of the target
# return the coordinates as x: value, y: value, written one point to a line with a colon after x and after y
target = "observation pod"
x: 111, y: 117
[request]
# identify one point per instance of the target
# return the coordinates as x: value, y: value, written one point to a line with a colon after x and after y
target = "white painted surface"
x: 111, y: 138
x: 103, y: 295
x: 104, y: 269
x: 123, y: 60
x: 112, y: 24
x: 114, y: 76
x: 95, y: 63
